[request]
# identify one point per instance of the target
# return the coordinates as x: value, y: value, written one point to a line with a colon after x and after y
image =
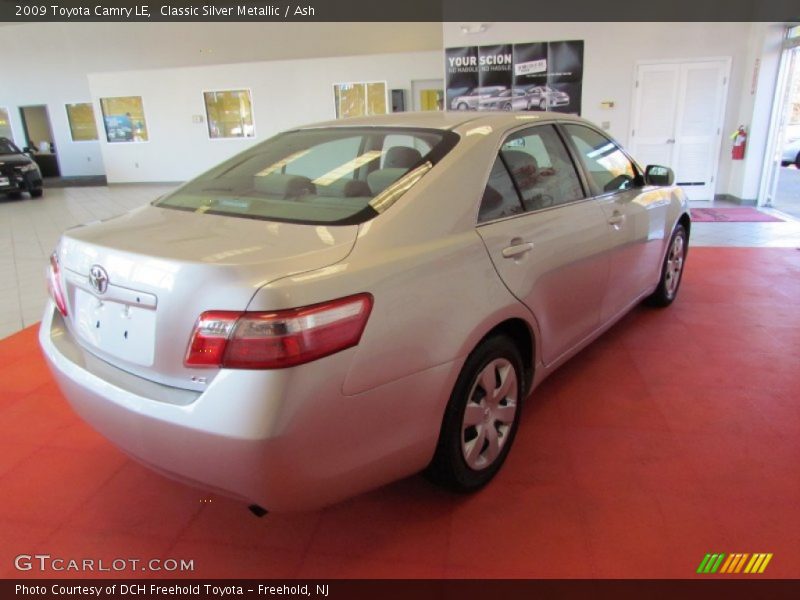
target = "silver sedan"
x: 349, y: 303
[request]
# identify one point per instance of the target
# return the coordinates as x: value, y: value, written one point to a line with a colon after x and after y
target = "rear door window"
x: 541, y: 168
x: 500, y: 198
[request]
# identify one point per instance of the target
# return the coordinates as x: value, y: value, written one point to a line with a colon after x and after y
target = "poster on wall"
x: 534, y: 76
x: 124, y: 120
x: 462, y: 78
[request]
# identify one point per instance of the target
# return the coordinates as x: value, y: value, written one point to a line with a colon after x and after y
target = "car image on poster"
x: 536, y: 76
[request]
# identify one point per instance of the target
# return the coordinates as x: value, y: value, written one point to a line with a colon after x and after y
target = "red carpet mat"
x: 675, y: 435
x: 744, y: 214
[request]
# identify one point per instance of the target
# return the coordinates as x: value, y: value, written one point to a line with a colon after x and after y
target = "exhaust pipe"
x: 257, y: 510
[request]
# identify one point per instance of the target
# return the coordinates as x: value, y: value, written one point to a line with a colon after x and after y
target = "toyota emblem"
x: 98, y: 278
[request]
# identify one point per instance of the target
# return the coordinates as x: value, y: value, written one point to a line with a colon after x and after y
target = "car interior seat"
x: 398, y: 160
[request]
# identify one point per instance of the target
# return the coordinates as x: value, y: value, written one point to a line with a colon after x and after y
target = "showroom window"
x: 360, y: 99
x: 5, y: 124
x: 229, y: 114
x: 541, y: 168
x: 82, y: 125
x: 607, y: 165
x: 124, y: 120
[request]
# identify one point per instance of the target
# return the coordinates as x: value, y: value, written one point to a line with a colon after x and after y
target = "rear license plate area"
x: 121, y: 330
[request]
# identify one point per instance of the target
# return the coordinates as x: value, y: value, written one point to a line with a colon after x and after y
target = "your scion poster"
x: 532, y: 76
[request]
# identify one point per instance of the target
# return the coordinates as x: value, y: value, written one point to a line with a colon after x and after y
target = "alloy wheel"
x: 674, y: 266
x: 489, y: 414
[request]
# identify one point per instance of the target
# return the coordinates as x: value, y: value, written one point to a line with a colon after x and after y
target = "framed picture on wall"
x: 229, y: 114
x: 359, y: 99
x: 124, y: 120
x: 82, y: 126
x: 5, y: 124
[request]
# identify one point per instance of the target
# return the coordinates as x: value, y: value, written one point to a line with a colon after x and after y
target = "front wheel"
x: 37, y: 193
x: 671, y: 270
x: 797, y: 160
x: 462, y: 106
x: 481, y: 419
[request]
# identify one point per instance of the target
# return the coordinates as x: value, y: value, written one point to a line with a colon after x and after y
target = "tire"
x: 543, y: 104
x: 671, y: 270
x: 797, y: 160
x: 466, y: 458
x: 37, y: 193
x: 462, y: 106
x: 507, y: 106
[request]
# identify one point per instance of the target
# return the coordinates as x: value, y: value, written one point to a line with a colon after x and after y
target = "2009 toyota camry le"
x: 349, y: 303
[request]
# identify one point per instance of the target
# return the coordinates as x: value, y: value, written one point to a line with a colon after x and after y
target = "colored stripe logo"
x: 740, y: 562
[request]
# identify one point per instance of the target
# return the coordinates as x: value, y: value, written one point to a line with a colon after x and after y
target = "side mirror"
x: 658, y: 175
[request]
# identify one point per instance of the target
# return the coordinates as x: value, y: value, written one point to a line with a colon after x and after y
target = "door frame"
x: 770, y: 170
x: 26, y: 133
x: 416, y: 87
x: 635, y: 109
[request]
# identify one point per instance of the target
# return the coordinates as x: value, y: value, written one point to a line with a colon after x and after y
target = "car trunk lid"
x: 135, y: 285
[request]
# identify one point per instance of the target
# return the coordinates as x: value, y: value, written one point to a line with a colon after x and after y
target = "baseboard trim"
x: 736, y: 200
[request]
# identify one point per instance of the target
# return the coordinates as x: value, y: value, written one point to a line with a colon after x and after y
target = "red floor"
x: 676, y: 434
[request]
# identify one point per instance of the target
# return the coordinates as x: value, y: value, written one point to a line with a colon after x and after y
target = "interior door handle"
x: 517, y: 249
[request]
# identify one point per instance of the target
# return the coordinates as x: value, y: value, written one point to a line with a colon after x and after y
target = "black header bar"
x: 22, y: 11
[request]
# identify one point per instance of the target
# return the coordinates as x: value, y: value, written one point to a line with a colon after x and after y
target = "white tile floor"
x: 29, y: 230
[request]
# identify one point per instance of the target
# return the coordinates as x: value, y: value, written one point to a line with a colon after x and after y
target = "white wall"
x: 285, y: 94
x: 48, y: 63
x: 610, y: 54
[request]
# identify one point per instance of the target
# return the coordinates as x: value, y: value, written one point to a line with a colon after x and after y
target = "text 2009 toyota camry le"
x: 349, y: 303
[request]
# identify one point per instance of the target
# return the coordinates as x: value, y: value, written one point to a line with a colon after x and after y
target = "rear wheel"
x: 672, y: 269
x: 481, y: 418
x: 462, y: 106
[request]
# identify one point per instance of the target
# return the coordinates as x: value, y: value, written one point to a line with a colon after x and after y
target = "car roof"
x: 447, y: 120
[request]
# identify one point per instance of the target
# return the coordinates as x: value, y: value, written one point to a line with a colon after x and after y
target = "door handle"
x: 670, y: 141
x: 616, y: 220
x: 517, y: 249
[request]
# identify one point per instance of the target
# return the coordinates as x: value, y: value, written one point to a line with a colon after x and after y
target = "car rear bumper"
x: 284, y: 439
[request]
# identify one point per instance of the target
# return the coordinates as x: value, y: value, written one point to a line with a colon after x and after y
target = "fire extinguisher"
x: 739, y: 138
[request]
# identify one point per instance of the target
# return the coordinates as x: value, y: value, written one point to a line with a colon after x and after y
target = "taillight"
x: 54, y: 285
x: 274, y: 340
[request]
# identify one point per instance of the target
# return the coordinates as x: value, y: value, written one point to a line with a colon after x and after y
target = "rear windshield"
x: 315, y: 176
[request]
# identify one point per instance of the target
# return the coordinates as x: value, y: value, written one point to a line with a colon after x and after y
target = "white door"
x: 678, y: 118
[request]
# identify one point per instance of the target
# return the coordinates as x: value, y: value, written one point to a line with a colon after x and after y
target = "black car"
x: 18, y: 172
